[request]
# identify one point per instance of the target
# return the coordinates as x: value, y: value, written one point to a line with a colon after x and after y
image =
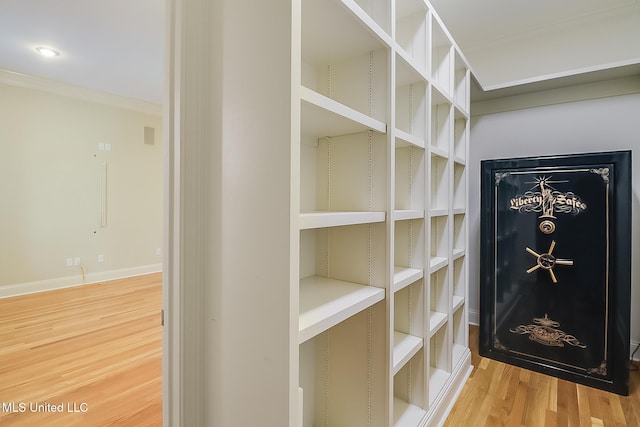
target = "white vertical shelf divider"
x: 384, y: 129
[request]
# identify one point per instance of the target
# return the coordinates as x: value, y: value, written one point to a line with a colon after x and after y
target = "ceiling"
x: 512, y: 43
x: 117, y: 46
x: 114, y: 46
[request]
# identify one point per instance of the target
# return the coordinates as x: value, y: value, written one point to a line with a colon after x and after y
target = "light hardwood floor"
x: 95, y: 349
x: 498, y: 394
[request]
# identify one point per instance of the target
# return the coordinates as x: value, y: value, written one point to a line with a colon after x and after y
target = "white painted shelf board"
x: 438, y: 212
x: 407, y: 71
x: 326, y: 302
x: 310, y: 220
x: 439, y: 152
x: 347, y: 36
x: 406, y: 414
x: 323, y: 116
x: 369, y: 22
x: 406, y: 214
x: 441, y: 95
x: 404, y: 139
x: 404, y: 276
x: 457, y: 253
x: 458, y: 301
x: 436, y: 321
x: 460, y: 111
x: 459, y: 211
x: 437, y: 262
x: 459, y: 160
x: 437, y: 380
x: 404, y: 348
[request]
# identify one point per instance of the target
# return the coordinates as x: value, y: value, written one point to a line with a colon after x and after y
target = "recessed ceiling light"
x: 48, y: 52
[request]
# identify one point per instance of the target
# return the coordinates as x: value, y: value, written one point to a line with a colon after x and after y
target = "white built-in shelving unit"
x: 384, y: 134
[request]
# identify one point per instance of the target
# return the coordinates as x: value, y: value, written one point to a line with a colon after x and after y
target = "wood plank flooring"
x: 96, y: 349
x: 93, y: 351
x: 498, y: 394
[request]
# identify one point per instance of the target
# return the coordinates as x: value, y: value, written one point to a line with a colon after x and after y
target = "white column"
x: 230, y: 339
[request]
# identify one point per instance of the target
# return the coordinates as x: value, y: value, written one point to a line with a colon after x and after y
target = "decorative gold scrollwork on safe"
x: 545, y: 331
x: 547, y: 261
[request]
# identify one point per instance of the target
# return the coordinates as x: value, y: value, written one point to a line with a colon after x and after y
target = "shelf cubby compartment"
x: 379, y: 11
x: 438, y: 299
x: 439, y: 239
x: 459, y: 280
x: 342, y: 179
x: 409, y: 244
x: 342, y: 372
x: 408, y: 392
x: 459, y: 235
x: 409, y: 178
x: 460, y: 336
x: 412, y: 30
x: 439, y: 191
x: 404, y: 276
x: 460, y: 81
x: 411, y: 101
x: 459, y: 187
x: 460, y: 137
x: 342, y: 273
x: 439, y: 368
x: 343, y: 59
x: 441, y: 56
x: 440, y: 122
x: 408, y: 323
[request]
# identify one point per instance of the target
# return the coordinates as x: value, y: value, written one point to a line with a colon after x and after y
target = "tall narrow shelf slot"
x: 460, y: 137
x: 409, y: 180
x: 439, y: 185
x: 439, y: 371
x: 459, y: 187
x: 441, y: 60
x: 461, y: 82
x: 460, y: 336
x: 412, y: 29
x: 440, y: 122
x: 459, y: 235
x: 439, y: 299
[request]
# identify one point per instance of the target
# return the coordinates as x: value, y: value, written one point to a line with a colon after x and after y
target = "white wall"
x: 544, y: 123
x: 50, y: 166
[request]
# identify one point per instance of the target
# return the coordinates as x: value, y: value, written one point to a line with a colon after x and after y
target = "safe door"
x: 556, y: 266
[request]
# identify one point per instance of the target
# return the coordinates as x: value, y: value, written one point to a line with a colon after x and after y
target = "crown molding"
x: 592, y: 18
x: 13, y: 78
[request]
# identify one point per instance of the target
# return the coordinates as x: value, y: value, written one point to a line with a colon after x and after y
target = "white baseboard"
x: 71, y: 281
x: 474, y: 317
x: 633, y: 345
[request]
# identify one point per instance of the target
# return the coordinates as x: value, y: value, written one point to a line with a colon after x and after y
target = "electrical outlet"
x: 100, y: 258
x: 107, y: 147
x: 76, y: 261
x: 69, y: 262
x: 101, y: 146
x: 158, y: 251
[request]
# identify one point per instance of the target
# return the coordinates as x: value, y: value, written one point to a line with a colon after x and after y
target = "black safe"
x: 555, y: 269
